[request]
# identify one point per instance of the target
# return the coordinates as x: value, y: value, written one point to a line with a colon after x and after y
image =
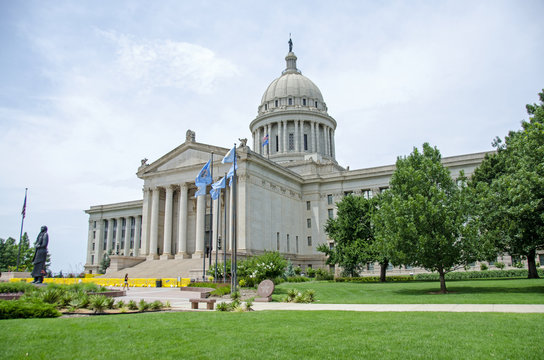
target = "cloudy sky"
x: 89, y: 88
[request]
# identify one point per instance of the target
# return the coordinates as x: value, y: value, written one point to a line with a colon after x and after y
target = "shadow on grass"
x: 460, y: 290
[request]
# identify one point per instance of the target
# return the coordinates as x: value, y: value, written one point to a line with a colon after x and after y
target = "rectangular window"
x: 276, y: 103
x: 93, y: 246
x: 94, y: 234
x: 291, y: 141
x: 309, y: 223
x: 266, y: 106
x: 329, y: 199
x: 370, y: 266
x: 92, y: 259
x: 330, y: 213
x: 277, y: 144
x: 367, y: 193
x: 124, y: 228
x: 382, y: 189
x: 94, y: 225
x: 304, y: 102
x: 541, y: 259
x: 308, y: 205
x: 287, y: 242
x: 346, y: 193
x: 316, y: 104
x: 296, y: 244
x: 305, y: 141
x: 290, y: 101
x: 278, y: 241
x: 309, y: 241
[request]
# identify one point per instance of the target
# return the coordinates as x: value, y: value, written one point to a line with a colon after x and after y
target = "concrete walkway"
x: 179, y: 300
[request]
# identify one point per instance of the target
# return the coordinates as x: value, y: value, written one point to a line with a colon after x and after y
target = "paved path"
x: 179, y: 300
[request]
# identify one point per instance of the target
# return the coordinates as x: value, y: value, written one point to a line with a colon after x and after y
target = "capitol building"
x: 288, y: 182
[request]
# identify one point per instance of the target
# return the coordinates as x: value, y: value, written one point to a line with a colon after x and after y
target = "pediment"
x: 187, y: 155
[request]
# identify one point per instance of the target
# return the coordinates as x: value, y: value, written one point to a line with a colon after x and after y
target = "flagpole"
x: 23, y: 214
x: 210, y: 241
x: 225, y: 233
x: 217, y: 236
x: 235, y: 247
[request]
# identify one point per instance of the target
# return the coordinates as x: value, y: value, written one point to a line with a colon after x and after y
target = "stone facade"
x: 286, y: 191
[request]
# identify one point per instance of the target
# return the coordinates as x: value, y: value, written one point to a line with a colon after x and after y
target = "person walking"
x: 125, y: 285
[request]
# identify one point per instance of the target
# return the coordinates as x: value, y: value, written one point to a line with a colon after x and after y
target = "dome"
x: 292, y: 90
x: 292, y: 84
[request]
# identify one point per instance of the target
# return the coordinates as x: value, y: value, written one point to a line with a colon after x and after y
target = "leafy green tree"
x: 353, y: 235
x: 422, y: 219
x: 508, y: 191
x: 105, y: 263
x: 9, y: 250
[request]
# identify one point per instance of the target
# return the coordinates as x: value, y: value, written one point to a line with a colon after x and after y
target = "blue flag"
x: 201, y: 191
x: 265, y: 140
x: 229, y: 157
x: 204, y: 177
x: 215, y: 192
x: 219, y: 184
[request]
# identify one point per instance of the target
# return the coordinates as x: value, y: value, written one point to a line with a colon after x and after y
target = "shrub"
x: 16, y: 287
x: 20, y: 309
x: 322, y: 274
x: 289, y: 270
x: 266, y: 266
x: 518, y: 265
x: 293, y: 295
x: 97, y: 303
x: 110, y: 302
x: 143, y: 305
x: 490, y: 274
x: 483, y: 266
x: 156, y: 305
x: 120, y: 304
x: 499, y: 265
x: 222, y: 306
x: 132, y: 305
x: 372, y: 279
x: 51, y: 295
x: 221, y: 290
x: 298, y: 271
x: 310, y: 272
x: 249, y: 304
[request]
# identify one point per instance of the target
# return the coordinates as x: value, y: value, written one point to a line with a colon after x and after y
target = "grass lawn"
x: 277, y: 335
x: 509, y: 291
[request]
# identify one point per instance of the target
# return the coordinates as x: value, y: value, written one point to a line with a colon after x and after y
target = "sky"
x: 89, y: 88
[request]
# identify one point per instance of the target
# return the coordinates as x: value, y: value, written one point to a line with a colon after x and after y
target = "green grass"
x: 277, y: 335
x: 509, y: 291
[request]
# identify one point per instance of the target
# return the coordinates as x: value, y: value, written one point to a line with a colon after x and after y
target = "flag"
x: 201, y: 191
x: 215, y: 192
x: 24, y: 208
x: 204, y: 177
x: 219, y: 184
x: 265, y: 140
x: 230, y: 156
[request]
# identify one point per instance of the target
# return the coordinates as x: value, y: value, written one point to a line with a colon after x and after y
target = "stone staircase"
x: 163, y: 268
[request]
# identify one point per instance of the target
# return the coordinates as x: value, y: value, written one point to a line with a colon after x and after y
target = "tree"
x: 508, y: 191
x: 9, y: 250
x: 353, y: 235
x: 105, y: 263
x: 422, y: 219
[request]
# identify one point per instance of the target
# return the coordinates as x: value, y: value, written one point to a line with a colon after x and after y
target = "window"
x: 93, y: 246
x: 114, y: 228
x: 329, y: 199
x: 304, y: 102
x: 309, y: 241
x: 346, y: 193
x: 266, y: 106
x: 382, y: 189
x: 367, y: 193
x: 331, y: 245
x: 308, y: 205
x: 309, y: 223
x: 330, y: 213
x: 306, y: 142
x: 316, y: 104
x: 541, y: 259
x: 287, y: 242
x: 291, y: 141
x: 370, y: 266
x: 277, y: 144
x: 94, y: 234
x: 276, y: 103
x: 124, y: 228
x: 94, y: 224
x: 290, y: 101
x: 92, y: 261
x: 296, y: 243
x: 278, y: 241
x: 105, y: 234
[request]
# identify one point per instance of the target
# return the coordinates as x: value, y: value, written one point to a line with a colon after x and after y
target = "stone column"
x: 127, y: 236
x: 296, y: 135
x: 312, y: 136
x: 99, y: 243
x: 90, y: 240
x: 168, y: 213
x: 259, y: 147
x: 182, y: 223
x: 154, y: 226
x: 200, y: 231
x: 144, y: 250
x: 119, y: 222
x: 110, y: 236
x: 317, y: 135
x: 254, y: 140
x: 285, y: 148
x: 326, y: 138
x: 301, y: 135
x: 333, y: 151
x: 268, y: 128
x: 216, y: 221
x: 137, y: 239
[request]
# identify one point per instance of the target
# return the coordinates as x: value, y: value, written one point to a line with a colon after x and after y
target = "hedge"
x: 15, y: 287
x: 367, y: 279
x: 20, y: 309
x: 487, y: 274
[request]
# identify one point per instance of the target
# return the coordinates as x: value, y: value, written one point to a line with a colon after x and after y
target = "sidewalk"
x: 179, y: 300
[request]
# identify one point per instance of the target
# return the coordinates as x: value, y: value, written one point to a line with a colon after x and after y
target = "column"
x: 200, y: 231
x: 279, y: 137
x: 318, y: 146
x: 182, y: 223
x: 326, y: 140
x: 296, y: 135
x: 119, y: 223
x: 90, y: 241
x: 216, y: 221
x: 127, y: 236
x: 144, y: 250
x: 312, y: 135
x: 333, y: 151
x: 110, y: 236
x: 259, y: 147
x: 254, y: 140
x: 285, y: 148
x: 99, y: 243
x: 154, y: 226
x: 137, y: 239
x: 167, y: 244
x: 301, y: 135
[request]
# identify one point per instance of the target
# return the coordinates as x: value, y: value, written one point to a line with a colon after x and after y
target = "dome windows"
x: 276, y: 103
x: 290, y: 101
x: 303, y: 102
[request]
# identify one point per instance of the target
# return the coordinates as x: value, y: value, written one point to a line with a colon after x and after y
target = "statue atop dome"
x: 290, y: 42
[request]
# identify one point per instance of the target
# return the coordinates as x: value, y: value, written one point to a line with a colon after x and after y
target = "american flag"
x: 24, y: 207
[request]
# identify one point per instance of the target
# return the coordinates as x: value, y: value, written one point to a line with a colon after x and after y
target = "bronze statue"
x: 290, y: 45
x: 40, y: 256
